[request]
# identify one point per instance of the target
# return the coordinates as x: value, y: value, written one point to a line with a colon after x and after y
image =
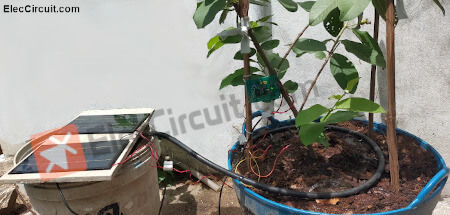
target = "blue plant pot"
x: 424, y: 203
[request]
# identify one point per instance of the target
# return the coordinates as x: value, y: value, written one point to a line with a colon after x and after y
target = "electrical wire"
x: 64, y: 200
x: 164, y: 193
x: 220, y: 194
x: 290, y: 108
x: 288, y: 192
x: 273, y: 168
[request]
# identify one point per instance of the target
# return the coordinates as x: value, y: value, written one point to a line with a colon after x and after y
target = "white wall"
x: 127, y: 54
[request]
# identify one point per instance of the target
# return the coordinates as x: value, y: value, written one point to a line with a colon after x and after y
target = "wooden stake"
x: 373, y: 71
x: 248, y: 105
x: 243, y: 9
x: 391, y: 113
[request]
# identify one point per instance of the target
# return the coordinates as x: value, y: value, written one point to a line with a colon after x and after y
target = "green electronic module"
x: 263, y: 89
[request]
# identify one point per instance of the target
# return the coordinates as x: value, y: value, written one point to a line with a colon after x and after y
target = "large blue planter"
x: 424, y: 203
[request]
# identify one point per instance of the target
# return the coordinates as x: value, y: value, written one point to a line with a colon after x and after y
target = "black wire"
x: 221, y: 189
x: 163, y: 194
x: 287, y: 192
x: 257, y: 123
x: 64, y: 200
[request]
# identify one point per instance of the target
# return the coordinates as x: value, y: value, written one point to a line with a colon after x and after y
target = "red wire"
x: 281, y: 103
x: 292, y: 105
x: 153, y: 154
x: 273, y: 168
x: 159, y: 165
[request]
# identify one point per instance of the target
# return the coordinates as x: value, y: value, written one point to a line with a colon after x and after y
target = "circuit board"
x: 263, y: 89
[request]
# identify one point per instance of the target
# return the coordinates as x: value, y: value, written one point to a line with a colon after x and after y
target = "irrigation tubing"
x: 288, y: 192
x: 64, y: 200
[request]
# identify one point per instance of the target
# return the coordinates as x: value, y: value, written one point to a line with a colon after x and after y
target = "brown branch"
x: 391, y: 113
x: 373, y: 71
x: 333, y: 48
x: 272, y: 71
x: 292, y: 46
x: 248, y: 105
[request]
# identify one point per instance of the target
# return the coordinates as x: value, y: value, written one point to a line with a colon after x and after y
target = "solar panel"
x: 97, y: 155
x: 104, y: 124
x: 83, y: 150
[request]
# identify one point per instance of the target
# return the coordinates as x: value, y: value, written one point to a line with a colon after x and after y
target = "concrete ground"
x: 183, y: 198
x: 198, y: 199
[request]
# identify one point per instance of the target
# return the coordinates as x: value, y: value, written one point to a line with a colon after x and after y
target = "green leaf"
x: 223, y: 16
x: 440, y: 6
x: 310, y: 114
x: 304, y: 45
x: 233, y: 39
x: 215, y: 47
x: 351, y: 9
x: 290, y: 86
x: 281, y: 74
x: 230, y: 35
x: 213, y: 41
x: 237, y: 78
x: 253, y: 24
x: 322, y: 139
x: 320, y: 55
x: 360, y: 105
x: 351, y: 85
x: 289, y: 5
x: 270, y: 44
x: 309, y: 133
x: 332, y: 23
x: 380, y: 7
x: 238, y: 55
x: 343, y: 70
x: 340, y: 116
x: 366, y: 39
x: 262, y: 33
x: 365, y: 53
x: 306, y: 5
x: 320, y: 10
x: 336, y: 97
x: 264, y: 19
x: 206, y: 11
x: 274, y: 60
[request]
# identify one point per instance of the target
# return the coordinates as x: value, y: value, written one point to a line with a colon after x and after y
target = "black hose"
x: 287, y: 192
x: 64, y: 200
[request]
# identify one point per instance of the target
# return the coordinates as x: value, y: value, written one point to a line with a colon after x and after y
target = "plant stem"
x: 373, y: 71
x: 272, y: 71
x: 333, y: 48
x: 292, y: 45
x: 332, y: 108
x: 284, y: 92
x: 391, y: 113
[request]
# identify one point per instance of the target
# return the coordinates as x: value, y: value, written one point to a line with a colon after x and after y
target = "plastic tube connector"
x: 242, y: 139
x: 168, y: 164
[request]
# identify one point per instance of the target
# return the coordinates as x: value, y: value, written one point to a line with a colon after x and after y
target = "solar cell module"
x: 98, y: 139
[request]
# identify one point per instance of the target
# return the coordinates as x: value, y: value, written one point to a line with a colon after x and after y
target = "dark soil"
x: 347, y: 163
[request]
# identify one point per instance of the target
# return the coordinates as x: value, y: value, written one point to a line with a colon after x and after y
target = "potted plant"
x: 262, y: 74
